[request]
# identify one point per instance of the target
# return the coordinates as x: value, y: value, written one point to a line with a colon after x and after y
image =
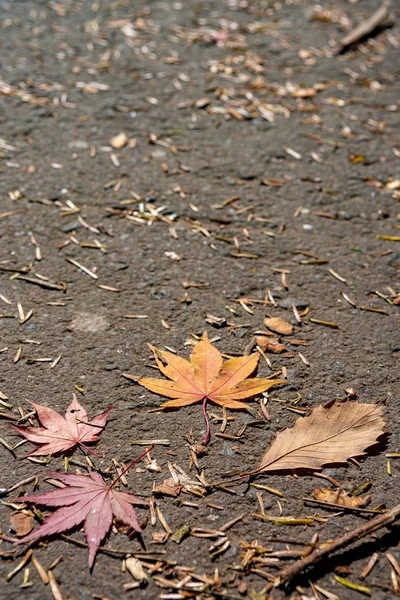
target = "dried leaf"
x: 168, y: 488
x: 329, y: 434
x: 84, y: 499
x: 21, y: 522
x: 279, y: 325
x: 206, y: 378
x: 339, y: 497
x: 60, y: 434
x: 178, y: 482
x: 270, y: 345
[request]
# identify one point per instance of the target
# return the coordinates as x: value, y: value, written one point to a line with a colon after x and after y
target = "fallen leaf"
x: 329, y: 434
x: 206, y: 378
x: 339, y: 497
x: 178, y: 482
x: 88, y: 500
x: 21, y: 522
x: 270, y: 345
x: 279, y: 325
x: 60, y: 434
x: 168, y: 488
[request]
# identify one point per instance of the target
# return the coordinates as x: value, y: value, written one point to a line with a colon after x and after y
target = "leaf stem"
x: 130, y: 466
x: 206, y: 438
x: 89, y: 450
x: 90, y: 424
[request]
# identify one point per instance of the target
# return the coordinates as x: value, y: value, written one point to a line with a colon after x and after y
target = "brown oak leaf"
x: 330, y: 434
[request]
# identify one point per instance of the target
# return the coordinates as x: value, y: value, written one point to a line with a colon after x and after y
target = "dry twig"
x: 287, y: 574
x: 365, y: 28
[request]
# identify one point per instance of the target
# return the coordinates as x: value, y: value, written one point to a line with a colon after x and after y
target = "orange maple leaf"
x: 206, y: 378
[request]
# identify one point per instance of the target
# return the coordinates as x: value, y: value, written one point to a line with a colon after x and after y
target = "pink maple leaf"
x: 60, y: 434
x: 88, y: 500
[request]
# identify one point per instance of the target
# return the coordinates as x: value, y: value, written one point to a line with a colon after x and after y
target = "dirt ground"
x: 258, y: 171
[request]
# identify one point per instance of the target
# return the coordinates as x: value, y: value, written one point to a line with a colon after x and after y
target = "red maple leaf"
x: 88, y: 500
x: 60, y: 434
